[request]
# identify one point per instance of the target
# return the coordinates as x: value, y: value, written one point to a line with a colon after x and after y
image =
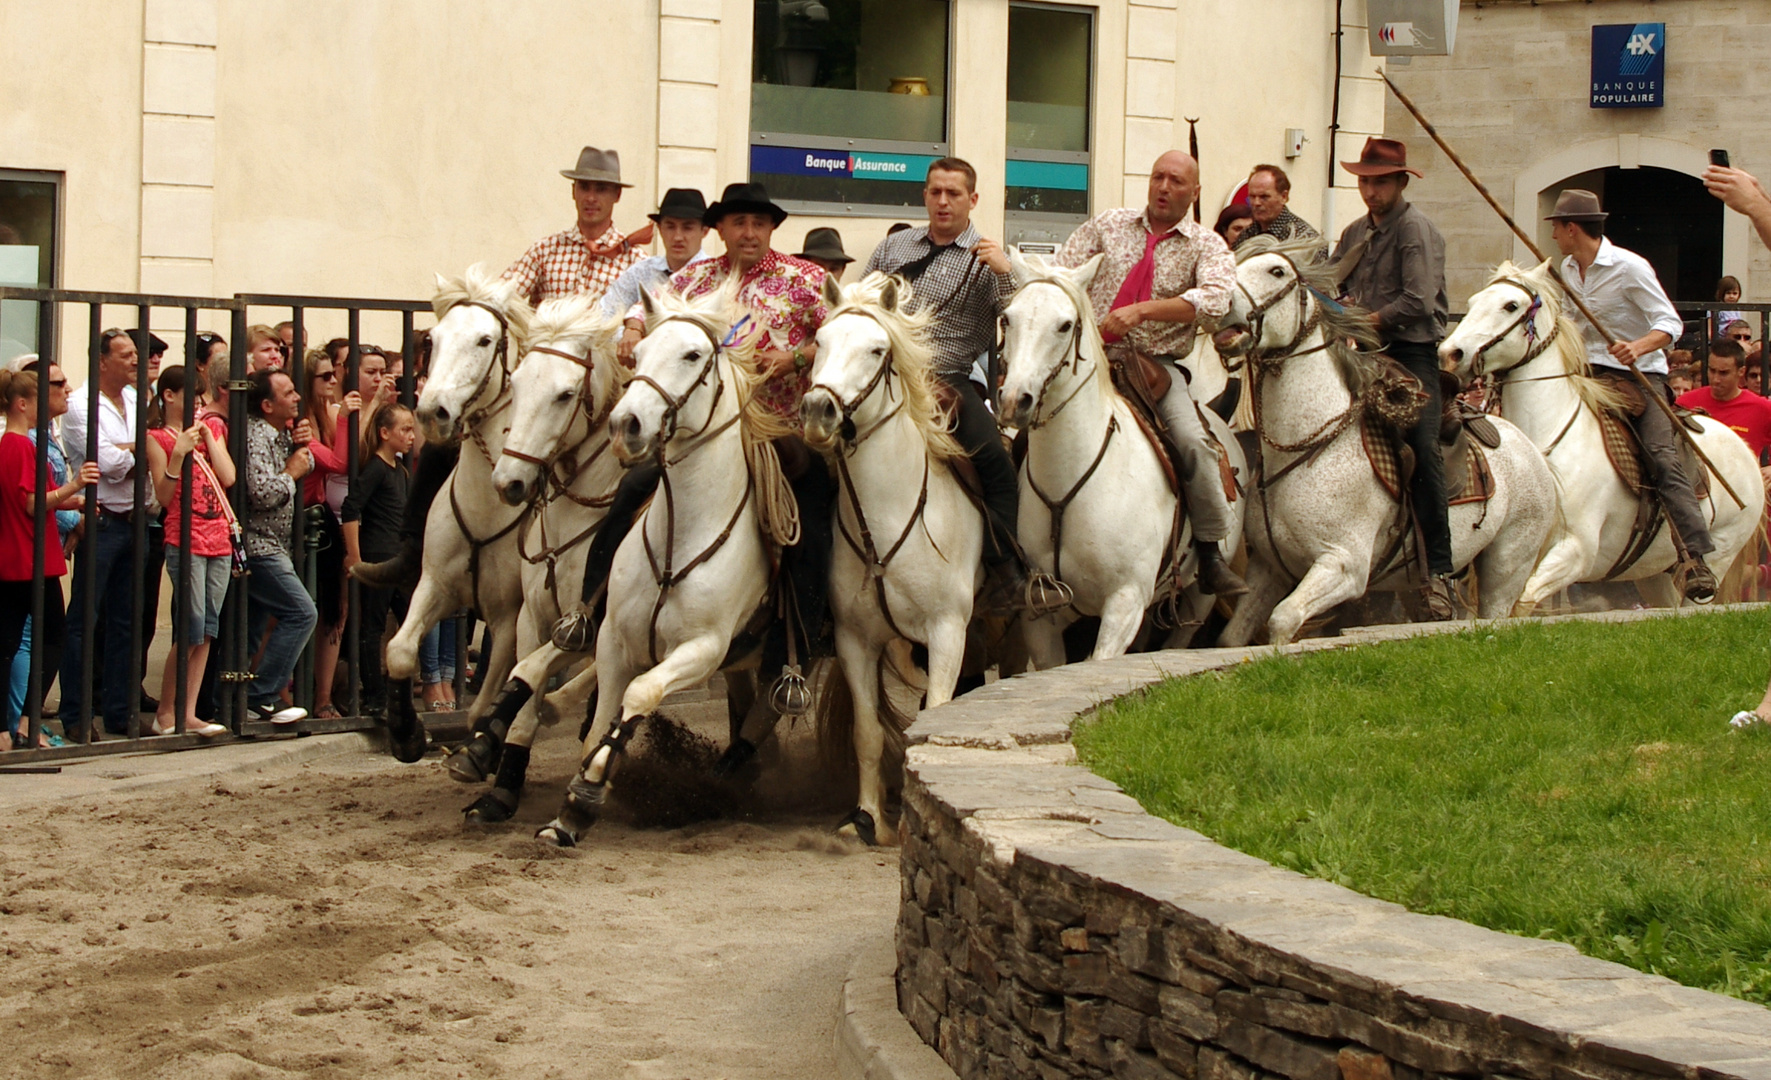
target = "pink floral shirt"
x: 785, y: 298
x: 1192, y: 262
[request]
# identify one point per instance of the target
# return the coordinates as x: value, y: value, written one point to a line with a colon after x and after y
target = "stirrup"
x: 574, y: 632
x: 791, y: 695
x: 1046, y: 595
x: 1693, y: 580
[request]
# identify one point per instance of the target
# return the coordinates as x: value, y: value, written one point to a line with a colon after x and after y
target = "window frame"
x: 1044, y: 221
x: 58, y: 182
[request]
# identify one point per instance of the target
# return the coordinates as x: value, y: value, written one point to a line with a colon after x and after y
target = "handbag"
x: 236, y: 536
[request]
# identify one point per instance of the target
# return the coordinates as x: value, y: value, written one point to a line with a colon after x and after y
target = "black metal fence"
x: 1701, y: 329
x: 233, y: 650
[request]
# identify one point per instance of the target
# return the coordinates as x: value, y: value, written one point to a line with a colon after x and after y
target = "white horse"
x: 907, y: 562
x: 694, y: 569
x: 1519, y: 331
x: 557, y: 457
x: 1320, y: 525
x: 1097, y: 510
x: 470, y: 552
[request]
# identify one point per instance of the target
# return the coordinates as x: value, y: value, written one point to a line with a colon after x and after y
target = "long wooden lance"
x: 1648, y: 388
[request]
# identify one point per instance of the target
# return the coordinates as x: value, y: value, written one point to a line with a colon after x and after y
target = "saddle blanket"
x: 1474, y: 483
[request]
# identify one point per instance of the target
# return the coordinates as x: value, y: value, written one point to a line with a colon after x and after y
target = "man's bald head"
x: 1174, y: 184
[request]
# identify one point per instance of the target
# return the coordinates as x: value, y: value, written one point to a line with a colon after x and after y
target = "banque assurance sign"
x: 1629, y: 66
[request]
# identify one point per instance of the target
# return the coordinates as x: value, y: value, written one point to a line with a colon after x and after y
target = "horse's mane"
x: 1570, y: 343
x: 1358, y: 367
x: 482, y: 287
x: 912, y: 357
x: 1034, y: 270
x: 715, y: 313
x: 581, y: 318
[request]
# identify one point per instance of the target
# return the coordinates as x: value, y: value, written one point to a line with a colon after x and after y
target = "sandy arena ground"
x: 334, y: 919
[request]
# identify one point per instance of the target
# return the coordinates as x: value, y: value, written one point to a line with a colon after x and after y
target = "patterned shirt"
x: 785, y: 298
x: 648, y: 275
x: 967, y: 297
x: 270, y: 491
x: 1287, y: 226
x: 563, y: 265
x: 1195, y: 266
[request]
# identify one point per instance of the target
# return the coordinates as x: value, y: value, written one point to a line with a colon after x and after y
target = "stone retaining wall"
x: 1050, y: 928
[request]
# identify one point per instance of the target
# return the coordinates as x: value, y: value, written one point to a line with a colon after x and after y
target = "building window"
x: 29, y: 202
x: 1050, y: 74
x: 848, y: 101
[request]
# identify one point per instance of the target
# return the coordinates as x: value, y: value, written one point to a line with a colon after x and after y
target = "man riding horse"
x: 1161, y: 272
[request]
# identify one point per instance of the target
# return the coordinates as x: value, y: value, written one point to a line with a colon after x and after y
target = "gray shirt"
x: 1400, y: 276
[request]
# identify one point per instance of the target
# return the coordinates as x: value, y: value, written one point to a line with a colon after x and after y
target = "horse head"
x: 1046, y: 330
x: 1511, y: 321
x: 480, y: 323
x: 677, y: 382
x: 565, y: 373
x: 852, y: 379
x: 1267, y: 310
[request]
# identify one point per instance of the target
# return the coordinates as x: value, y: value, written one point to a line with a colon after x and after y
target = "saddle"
x: 1625, y: 450
x: 1463, y: 431
x: 1143, y: 382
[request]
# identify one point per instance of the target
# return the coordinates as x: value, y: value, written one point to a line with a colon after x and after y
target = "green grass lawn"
x: 1578, y: 782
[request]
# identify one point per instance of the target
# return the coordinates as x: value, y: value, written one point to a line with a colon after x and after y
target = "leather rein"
x: 474, y: 423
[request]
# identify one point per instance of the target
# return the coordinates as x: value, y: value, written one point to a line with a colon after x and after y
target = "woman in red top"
x: 325, y: 486
x: 211, y: 551
x: 18, y: 504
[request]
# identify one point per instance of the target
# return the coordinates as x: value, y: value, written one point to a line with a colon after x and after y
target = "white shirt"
x: 1623, y: 291
x: 648, y: 275
x: 116, y: 488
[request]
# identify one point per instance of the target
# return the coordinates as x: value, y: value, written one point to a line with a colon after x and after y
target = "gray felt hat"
x: 598, y: 166
x: 1577, y: 204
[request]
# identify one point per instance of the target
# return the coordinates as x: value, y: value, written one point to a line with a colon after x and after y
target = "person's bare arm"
x: 1741, y: 192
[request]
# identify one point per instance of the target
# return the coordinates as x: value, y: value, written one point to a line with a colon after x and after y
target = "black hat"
x: 681, y: 202
x: 826, y: 243
x: 154, y: 345
x: 743, y: 199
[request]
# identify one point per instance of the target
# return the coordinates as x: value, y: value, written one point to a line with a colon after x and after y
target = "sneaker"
x: 276, y: 713
x: 1697, y: 581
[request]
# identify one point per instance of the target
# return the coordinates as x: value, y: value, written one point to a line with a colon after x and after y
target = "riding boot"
x: 1660, y: 446
x: 807, y: 566
x: 575, y: 631
x: 1427, y: 488
x: 401, y: 572
x: 1005, y: 590
x: 1215, y: 575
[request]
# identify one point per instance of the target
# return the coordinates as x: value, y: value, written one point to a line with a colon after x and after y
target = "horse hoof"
x: 557, y: 835
x: 861, y: 822
x: 738, y: 755
x: 475, y: 761
x: 493, y: 808
x: 411, y: 745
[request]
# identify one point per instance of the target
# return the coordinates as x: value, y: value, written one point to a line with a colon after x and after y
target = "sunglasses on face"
x: 329, y: 376
x: 58, y: 382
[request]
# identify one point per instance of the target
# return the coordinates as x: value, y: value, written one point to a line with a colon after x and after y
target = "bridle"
x: 1257, y: 319
x: 1073, y: 362
x: 673, y: 403
x: 1535, y: 346
x: 498, y: 402
x: 882, y: 376
x: 583, y: 409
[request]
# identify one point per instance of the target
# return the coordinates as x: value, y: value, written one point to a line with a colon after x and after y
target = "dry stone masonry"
x: 1049, y: 928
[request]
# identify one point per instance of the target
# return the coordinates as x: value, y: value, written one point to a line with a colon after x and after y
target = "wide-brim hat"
x: 682, y: 202
x: 743, y: 199
x: 1381, y: 157
x: 826, y: 243
x: 1577, y: 204
x: 597, y: 166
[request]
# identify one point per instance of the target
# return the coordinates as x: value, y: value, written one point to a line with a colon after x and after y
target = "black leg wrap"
x: 589, y: 717
x: 737, y: 755
x: 513, y: 770
x: 864, y: 827
x: 407, y: 738
x: 492, y: 808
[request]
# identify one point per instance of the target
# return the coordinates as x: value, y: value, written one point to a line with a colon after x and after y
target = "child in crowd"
x: 371, y: 524
x: 19, y: 541
x: 1727, y: 292
x: 211, y: 550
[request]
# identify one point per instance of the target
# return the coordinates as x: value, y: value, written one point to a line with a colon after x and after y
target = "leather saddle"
x: 1143, y: 381
x: 1463, y: 432
x: 1625, y: 451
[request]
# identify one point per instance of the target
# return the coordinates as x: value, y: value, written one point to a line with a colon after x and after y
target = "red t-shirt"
x: 18, y: 479
x: 209, y: 528
x: 1746, y: 413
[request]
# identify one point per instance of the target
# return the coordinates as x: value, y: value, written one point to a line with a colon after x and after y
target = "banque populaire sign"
x: 1629, y: 66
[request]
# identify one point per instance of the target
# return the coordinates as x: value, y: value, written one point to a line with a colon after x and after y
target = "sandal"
x: 1747, y: 718
x: 328, y: 712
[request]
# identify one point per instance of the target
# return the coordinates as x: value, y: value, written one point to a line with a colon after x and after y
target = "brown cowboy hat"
x: 1381, y: 157
x: 597, y: 166
x: 1577, y: 204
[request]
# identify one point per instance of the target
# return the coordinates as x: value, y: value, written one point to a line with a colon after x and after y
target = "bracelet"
x: 175, y: 479
x: 799, y: 360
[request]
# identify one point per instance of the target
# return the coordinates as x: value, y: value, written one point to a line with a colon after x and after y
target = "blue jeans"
x: 18, y: 683
x: 116, y: 605
x: 436, y: 653
x: 274, y: 591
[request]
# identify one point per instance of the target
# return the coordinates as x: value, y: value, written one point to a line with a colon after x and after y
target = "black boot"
x: 1005, y: 589
x: 575, y: 631
x: 1215, y: 575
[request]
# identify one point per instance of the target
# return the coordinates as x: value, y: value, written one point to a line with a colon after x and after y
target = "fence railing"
x: 109, y: 531
x: 1701, y: 329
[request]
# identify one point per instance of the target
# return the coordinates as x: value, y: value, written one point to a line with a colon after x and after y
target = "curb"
x: 873, y: 1041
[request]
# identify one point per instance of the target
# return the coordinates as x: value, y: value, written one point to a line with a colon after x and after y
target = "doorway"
x: 1667, y: 217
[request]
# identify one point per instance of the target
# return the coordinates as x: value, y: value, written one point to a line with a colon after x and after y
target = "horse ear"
x: 832, y: 291
x: 891, y: 292
x: 648, y: 307
x: 1084, y: 275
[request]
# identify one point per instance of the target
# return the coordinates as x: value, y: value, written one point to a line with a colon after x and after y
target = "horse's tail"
x: 834, y: 711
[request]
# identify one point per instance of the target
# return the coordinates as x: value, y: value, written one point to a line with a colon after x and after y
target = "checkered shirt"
x: 967, y: 296
x: 784, y: 296
x: 1287, y: 226
x: 1195, y: 266
x: 562, y: 265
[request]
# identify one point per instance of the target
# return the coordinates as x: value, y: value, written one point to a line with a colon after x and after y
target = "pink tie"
x: 1139, y: 281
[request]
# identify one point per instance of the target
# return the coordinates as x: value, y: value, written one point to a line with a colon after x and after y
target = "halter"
x: 881, y: 376
x: 1527, y: 318
x: 546, y: 464
x: 500, y: 353
x: 1257, y: 318
x: 1074, y: 360
x: 673, y: 403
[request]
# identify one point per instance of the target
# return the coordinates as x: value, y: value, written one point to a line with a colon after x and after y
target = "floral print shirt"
x: 1192, y: 263
x: 785, y: 299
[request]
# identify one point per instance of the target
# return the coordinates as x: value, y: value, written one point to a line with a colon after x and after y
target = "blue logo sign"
x: 798, y: 161
x: 1629, y: 66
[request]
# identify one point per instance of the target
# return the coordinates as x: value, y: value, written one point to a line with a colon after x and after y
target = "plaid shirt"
x: 562, y: 265
x: 967, y: 296
x: 1196, y: 267
x: 784, y: 296
x: 1287, y: 226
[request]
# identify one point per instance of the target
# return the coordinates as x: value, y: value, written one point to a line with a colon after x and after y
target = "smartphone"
x: 1719, y: 157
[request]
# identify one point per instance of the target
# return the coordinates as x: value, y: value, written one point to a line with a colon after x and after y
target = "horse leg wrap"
x: 495, y: 806
x: 479, y: 758
x: 864, y: 826
x: 513, y: 770
x: 736, y: 757
x: 406, y: 735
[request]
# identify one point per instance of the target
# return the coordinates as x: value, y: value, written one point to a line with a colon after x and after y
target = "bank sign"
x: 791, y: 161
x: 1629, y: 66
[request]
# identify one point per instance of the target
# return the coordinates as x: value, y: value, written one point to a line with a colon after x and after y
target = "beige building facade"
x: 1514, y: 100
x: 357, y: 147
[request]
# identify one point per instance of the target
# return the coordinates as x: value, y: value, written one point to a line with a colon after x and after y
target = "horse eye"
x: 1064, y: 327
x: 691, y: 357
x: 1277, y: 272
x: 879, y: 350
x: 1511, y: 306
x: 566, y: 395
x: 485, y: 341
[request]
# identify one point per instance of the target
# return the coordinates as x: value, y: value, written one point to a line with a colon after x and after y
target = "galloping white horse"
x: 1519, y: 331
x: 1319, y: 522
x: 694, y: 569
x: 906, y: 565
x: 557, y: 457
x: 1097, y: 511
x: 470, y: 556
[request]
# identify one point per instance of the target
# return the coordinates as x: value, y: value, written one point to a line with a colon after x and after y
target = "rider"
x: 965, y: 279
x: 585, y: 259
x: 1392, y: 262
x: 1621, y: 289
x: 1162, y: 271
x: 783, y: 296
x: 680, y: 230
